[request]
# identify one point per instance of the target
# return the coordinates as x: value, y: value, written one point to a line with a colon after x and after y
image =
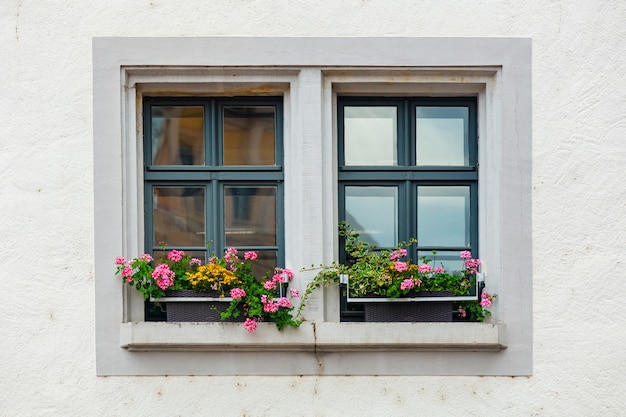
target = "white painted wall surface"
x: 47, y: 359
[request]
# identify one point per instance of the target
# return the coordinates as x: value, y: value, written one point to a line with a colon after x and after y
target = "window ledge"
x: 314, y: 337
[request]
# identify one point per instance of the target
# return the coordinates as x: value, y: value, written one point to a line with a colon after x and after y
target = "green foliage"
x: 388, y: 273
x: 227, y: 275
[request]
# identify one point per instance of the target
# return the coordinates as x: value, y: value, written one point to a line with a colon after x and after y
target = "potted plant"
x: 222, y: 289
x: 393, y: 288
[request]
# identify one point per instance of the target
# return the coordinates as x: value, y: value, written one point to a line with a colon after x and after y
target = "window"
x: 213, y: 177
x: 308, y: 81
x: 408, y: 168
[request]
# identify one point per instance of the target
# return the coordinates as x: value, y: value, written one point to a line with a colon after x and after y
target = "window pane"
x: 443, y: 216
x: 178, y: 216
x: 442, y: 136
x: 373, y: 212
x: 370, y: 135
x: 249, y: 135
x: 177, y: 135
x: 250, y: 216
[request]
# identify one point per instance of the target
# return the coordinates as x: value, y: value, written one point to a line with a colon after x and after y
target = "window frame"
x: 406, y: 176
x: 311, y: 74
x: 213, y: 175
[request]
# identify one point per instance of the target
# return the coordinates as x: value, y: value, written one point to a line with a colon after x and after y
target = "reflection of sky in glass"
x: 370, y: 135
x: 441, y: 134
x: 443, y: 216
x: 372, y: 211
x: 450, y: 260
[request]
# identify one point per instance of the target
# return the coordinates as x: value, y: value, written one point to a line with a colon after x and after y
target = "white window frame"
x: 309, y: 73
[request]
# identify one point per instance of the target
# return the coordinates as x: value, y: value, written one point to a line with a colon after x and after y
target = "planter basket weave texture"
x: 426, y: 311
x: 187, y: 311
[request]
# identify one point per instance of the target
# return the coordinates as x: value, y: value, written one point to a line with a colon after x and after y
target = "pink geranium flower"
x: 120, y: 260
x: 250, y: 325
x: 400, y: 266
x: 271, y: 307
x: 175, y: 255
x: 294, y: 293
x: 407, y: 284
x: 163, y: 276
x: 466, y: 254
x: 230, y: 255
x: 485, y: 299
x: 424, y: 269
x: 397, y: 254
x: 284, y: 302
x: 237, y: 293
x: 250, y: 255
x: 269, y: 285
x: 472, y: 265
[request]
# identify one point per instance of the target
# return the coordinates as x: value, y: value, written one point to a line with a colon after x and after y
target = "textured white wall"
x: 46, y: 210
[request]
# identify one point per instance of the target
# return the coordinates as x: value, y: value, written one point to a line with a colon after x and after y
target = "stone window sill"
x: 324, y: 337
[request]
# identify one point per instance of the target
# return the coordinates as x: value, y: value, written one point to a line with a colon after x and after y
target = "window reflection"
x: 442, y: 136
x: 178, y: 216
x: 372, y: 211
x: 443, y: 215
x: 250, y: 216
x: 249, y: 135
x: 370, y: 135
x: 177, y: 135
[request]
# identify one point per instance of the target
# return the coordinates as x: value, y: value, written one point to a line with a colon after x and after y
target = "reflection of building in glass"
x: 249, y: 135
x: 250, y: 216
x: 177, y: 135
x: 179, y: 217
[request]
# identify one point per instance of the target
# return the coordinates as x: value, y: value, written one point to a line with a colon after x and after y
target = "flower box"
x: 194, y: 291
x: 193, y: 306
x: 408, y: 309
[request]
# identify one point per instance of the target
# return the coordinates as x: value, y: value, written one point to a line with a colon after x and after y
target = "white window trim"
x: 309, y: 72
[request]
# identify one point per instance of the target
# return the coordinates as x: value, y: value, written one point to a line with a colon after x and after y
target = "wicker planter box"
x: 190, y: 306
x: 409, y: 309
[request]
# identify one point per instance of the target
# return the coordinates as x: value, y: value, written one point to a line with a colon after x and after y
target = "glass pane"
x: 373, y: 212
x: 370, y: 135
x: 443, y: 216
x: 178, y: 216
x: 250, y: 216
x: 177, y: 135
x: 442, y: 136
x: 250, y: 135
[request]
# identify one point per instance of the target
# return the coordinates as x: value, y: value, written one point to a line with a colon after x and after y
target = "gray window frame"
x: 213, y: 176
x: 406, y: 176
x: 311, y: 72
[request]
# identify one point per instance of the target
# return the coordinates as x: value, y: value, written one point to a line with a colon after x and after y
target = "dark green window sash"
x: 406, y: 176
x: 212, y: 176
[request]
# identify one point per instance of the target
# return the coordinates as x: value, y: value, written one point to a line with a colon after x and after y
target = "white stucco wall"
x: 47, y: 353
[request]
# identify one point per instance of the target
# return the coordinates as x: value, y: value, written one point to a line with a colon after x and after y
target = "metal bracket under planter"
x: 480, y: 281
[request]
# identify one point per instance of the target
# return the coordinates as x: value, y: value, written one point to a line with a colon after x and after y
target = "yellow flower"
x: 212, y: 273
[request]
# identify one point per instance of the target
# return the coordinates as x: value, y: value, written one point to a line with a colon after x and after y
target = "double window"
x: 408, y: 168
x: 187, y: 183
x: 213, y: 176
